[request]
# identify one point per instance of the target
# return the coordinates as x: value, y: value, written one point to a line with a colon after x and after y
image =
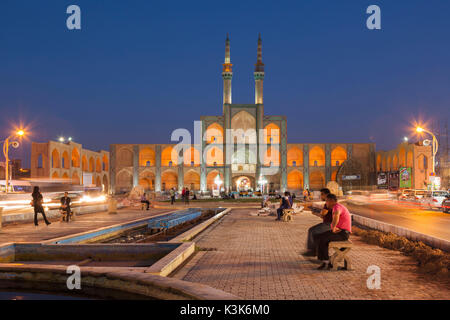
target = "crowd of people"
x: 185, y: 195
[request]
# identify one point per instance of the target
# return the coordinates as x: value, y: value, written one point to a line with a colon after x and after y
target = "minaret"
x: 259, y: 74
x: 227, y: 74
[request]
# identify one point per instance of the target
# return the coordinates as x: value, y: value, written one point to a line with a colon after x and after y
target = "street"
x: 431, y: 222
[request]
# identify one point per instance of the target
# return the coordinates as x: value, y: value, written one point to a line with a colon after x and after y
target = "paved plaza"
x: 27, y: 232
x: 255, y: 257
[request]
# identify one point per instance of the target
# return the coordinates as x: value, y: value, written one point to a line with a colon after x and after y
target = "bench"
x: 341, y: 249
x: 66, y: 216
x: 287, y: 215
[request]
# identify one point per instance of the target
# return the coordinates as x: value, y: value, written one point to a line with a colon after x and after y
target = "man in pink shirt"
x: 341, y: 227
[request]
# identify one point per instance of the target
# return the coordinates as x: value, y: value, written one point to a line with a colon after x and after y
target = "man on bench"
x: 65, y: 207
x: 341, y: 227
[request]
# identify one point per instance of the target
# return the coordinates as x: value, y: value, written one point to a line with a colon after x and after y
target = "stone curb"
x: 191, y: 233
x: 404, y: 232
x: 123, y: 280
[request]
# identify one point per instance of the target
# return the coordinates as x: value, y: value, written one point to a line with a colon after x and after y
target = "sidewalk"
x: 258, y: 258
x: 27, y: 232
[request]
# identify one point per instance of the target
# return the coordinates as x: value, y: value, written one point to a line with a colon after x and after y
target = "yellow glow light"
x: 419, y: 129
x: 20, y: 133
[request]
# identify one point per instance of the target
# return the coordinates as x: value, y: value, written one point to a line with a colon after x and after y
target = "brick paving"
x: 259, y: 258
x: 27, y: 232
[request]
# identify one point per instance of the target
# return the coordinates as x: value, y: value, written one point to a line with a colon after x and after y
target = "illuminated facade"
x: 69, y: 161
x: 230, y: 147
x: 408, y: 155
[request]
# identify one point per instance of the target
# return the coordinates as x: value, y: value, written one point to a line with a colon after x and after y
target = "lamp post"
x: 218, y: 182
x: 262, y: 182
x: 15, y: 144
x: 434, y: 146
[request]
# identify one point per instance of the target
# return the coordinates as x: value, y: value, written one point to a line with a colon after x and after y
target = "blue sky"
x: 137, y: 70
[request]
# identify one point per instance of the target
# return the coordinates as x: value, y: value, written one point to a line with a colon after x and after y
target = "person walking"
x: 183, y: 194
x: 37, y: 203
x: 186, y: 195
x: 341, y: 227
x: 172, y: 196
x: 326, y: 215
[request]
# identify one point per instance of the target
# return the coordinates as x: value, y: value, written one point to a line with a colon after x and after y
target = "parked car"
x: 414, y: 194
x: 445, y: 207
x: 435, y: 198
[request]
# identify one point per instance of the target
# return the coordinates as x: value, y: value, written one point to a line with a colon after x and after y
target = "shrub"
x: 430, y: 261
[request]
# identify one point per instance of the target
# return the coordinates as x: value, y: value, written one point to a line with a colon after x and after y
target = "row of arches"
x: 316, y: 156
x: 316, y: 179
x: 214, y: 157
x: 169, y: 179
x: 66, y: 162
x: 393, y: 162
x: 76, y: 179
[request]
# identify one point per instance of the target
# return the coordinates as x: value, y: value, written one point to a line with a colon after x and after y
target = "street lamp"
x: 218, y: 182
x: 435, y: 143
x: 262, y: 181
x: 14, y: 144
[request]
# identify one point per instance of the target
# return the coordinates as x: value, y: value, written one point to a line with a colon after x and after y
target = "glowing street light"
x: 262, y: 181
x: 405, y: 139
x: 435, y: 143
x: 15, y: 145
x: 218, y: 182
x: 61, y: 139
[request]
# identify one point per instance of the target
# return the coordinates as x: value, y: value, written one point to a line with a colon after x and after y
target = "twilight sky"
x: 137, y: 70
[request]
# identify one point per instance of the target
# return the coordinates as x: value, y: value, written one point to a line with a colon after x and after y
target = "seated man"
x: 341, y: 227
x: 285, y: 203
x: 326, y: 215
x: 65, y: 207
x: 145, y: 201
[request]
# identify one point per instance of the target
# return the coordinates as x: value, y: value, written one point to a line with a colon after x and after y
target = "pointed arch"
x: 316, y: 180
x: 214, y: 133
x: 338, y: 156
x: 75, y: 158
x: 272, y: 134
x: 55, y: 159
x: 295, y: 180
x: 169, y: 180
x: 147, y: 157
x: 65, y: 160
x: 214, y: 157
x: 295, y: 157
x: 192, y: 180
x: 316, y: 157
x: 91, y: 164
x: 98, y: 165
x: 169, y: 157
x: 210, y: 178
x: 84, y: 163
x: 191, y: 157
